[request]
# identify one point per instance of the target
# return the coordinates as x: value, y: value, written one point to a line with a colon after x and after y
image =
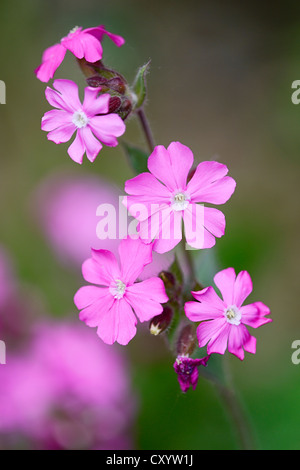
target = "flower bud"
x: 186, y: 342
x: 114, y: 104
x: 168, y: 279
x: 161, y: 322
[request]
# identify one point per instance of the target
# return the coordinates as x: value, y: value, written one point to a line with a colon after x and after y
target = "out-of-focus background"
x: 220, y: 82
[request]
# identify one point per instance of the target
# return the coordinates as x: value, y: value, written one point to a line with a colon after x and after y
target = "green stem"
x: 188, y: 259
x: 234, y: 407
x: 146, y: 129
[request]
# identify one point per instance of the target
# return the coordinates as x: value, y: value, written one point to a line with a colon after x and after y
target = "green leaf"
x: 139, y: 86
x: 137, y: 158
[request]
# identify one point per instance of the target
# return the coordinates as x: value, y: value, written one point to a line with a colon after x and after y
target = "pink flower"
x: 186, y: 369
x: 83, y: 43
x: 161, y: 199
x: 89, y: 120
x: 227, y: 317
x: 110, y: 307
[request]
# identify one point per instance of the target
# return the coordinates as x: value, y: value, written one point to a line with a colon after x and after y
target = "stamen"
x: 80, y: 119
x: 233, y: 315
x: 180, y: 201
x: 117, y: 289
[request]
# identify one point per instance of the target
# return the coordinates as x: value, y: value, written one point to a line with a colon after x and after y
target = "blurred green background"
x: 220, y: 82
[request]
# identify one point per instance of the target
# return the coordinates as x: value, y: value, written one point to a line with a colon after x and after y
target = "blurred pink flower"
x: 89, y: 120
x: 83, y: 43
x: 66, y: 207
x: 112, y: 308
x: 227, y: 317
x: 161, y: 199
x: 67, y: 391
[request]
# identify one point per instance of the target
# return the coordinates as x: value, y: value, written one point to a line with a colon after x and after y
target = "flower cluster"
x: 170, y: 196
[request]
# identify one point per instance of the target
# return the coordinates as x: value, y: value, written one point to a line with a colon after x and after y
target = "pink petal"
x: 62, y: 133
x: 206, y: 173
x: 106, y: 128
x: 99, y: 32
x: 225, y: 281
x: 214, y: 221
x: 92, y: 48
x: 56, y: 100
x: 209, y: 296
x: 218, y: 344
x: 208, y: 330
x: 195, y: 233
x: 91, y: 144
x: 209, y: 184
x: 147, y: 186
x: 127, y: 323
x: 108, y: 263
x: 144, y: 307
x: 69, y: 92
x: 242, y: 288
x: 91, y: 273
x: 55, y: 118
x: 101, y: 269
x: 88, y: 295
x: 250, y: 345
x: 118, y: 324
x: 152, y: 288
x: 170, y: 231
x: 93, y: 314
x: 164, y: 226
x: 254, y: 314
x: 51, y: 60
x: 134, y: 255
x: 77, y: 148
x: 94, y: 104
x: 172, y: 165
x: 197, y: 311
x: 238, y: 337
x: 73, y: 43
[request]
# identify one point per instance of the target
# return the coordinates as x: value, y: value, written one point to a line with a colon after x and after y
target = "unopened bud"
x: 114, y: 104
x: 168, y: 279
x: 186, y: 342
x: 161, y: 322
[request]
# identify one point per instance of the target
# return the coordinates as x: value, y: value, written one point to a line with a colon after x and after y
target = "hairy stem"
x: 188, y: 261
x: 234, y: 408
x: 146, y: 129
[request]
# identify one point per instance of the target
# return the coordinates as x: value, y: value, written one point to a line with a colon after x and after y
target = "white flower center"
x: 117, y: 289
x: 180, y: 201
x: 80, y: 119
x: 233, y: 315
